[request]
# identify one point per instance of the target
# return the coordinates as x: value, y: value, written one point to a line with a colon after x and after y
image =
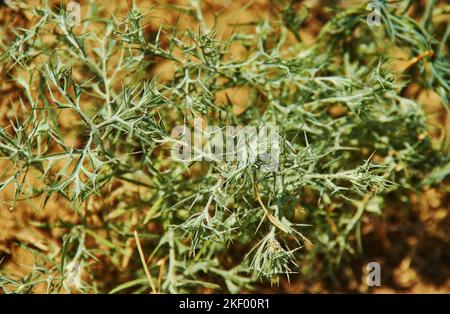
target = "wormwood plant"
x: 348, y: 137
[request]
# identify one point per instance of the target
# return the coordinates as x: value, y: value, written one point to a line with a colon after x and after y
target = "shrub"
x: 92, y: 130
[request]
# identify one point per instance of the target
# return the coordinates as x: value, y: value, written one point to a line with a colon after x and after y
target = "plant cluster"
x: 348, y: 137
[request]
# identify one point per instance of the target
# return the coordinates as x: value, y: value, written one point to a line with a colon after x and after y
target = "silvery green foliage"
x: 221, y: 224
